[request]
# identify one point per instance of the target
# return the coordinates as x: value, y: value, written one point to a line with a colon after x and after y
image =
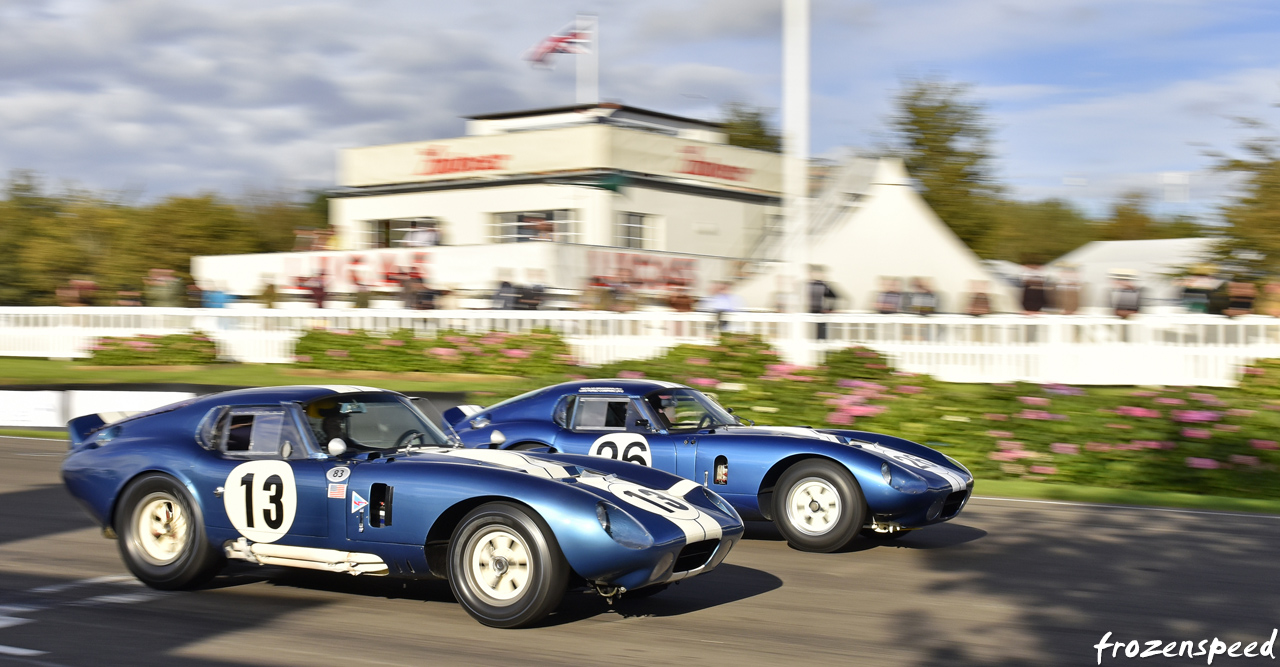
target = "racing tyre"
x: 162, y: 537
x: 818, y: 506
x: 505, y: 567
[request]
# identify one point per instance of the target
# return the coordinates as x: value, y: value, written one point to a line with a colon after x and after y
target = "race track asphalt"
x: 1006, y: 583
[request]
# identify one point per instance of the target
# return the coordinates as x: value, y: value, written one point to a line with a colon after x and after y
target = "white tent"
x: 1153, y: 261
x: 870, y: 223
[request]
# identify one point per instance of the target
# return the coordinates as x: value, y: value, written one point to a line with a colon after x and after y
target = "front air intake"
x: 694, y: 556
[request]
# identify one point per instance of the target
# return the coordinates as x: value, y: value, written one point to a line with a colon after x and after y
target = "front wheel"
x: 505, y: 567
x: 818, y: 506
x: 162, y: 538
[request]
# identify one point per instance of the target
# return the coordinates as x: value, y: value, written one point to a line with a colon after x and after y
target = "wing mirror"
x: 337, y: 447
x: 496, y: 439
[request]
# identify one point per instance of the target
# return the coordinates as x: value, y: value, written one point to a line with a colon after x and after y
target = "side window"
x: 601, y: 414
x: 564, y: 409
x: 259, y: 433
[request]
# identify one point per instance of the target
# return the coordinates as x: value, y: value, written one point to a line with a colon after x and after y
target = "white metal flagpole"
x: 589, y: 60
x: 795, y: 165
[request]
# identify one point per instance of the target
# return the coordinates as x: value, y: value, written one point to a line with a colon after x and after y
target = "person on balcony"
x: 1035, y: 289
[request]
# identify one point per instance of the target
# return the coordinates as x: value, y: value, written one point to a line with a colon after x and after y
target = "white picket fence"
x: 1154, y: 349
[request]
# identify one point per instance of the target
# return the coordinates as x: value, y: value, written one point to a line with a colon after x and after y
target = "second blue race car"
x: 821, y: 487
x: 356, y: 480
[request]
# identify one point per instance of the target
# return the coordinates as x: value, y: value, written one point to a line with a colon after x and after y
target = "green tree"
x: 1037, y: 232
x: 749, y: 127
x: 944, y: 140
x: 1251, y: 243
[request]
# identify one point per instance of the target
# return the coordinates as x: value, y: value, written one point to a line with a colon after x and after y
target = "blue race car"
x: 821, y: 487
x: 358, y: 481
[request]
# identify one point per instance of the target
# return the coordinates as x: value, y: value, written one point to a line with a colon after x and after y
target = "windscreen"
x: 682, y: 409
x: 370, y: 422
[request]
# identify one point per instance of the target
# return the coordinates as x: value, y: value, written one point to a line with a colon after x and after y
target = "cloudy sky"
x: 1089, y: 98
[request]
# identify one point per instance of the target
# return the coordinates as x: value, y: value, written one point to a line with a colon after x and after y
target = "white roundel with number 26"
x: 261, y: 499
x: 628, y: 447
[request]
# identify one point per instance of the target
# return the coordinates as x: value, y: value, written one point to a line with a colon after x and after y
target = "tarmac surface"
x: 1005, y: 583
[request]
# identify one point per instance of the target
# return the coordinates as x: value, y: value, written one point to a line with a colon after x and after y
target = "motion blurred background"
x: 1064, y: 194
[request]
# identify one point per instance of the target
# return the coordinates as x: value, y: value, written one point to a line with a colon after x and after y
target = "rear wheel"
x: 162, y: 538
x: 818, y: 506
x: 505, y: 567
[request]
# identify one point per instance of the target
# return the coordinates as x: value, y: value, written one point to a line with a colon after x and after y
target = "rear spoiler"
x: 459, y: 413
x: 84, y: 426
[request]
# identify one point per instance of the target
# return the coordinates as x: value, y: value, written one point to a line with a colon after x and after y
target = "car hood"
x: 788, y: 431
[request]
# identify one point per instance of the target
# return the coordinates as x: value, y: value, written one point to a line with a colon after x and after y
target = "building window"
x: 402, y: 233
x: 560, y: 226
x: 631, y: 232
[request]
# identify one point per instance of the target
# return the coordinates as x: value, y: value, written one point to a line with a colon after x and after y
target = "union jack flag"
x: 574, y: 38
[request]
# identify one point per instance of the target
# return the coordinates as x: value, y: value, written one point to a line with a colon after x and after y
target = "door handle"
x: 217, y: 493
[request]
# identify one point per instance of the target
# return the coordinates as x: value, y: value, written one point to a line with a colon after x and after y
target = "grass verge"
x: 22, y: 433
x: 1096, y: 494
x: 15, y: 370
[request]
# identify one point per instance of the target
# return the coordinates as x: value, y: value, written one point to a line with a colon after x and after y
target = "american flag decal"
x: 338, y: 491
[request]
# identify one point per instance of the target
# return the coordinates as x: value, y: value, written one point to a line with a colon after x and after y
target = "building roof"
x: 529, y: 113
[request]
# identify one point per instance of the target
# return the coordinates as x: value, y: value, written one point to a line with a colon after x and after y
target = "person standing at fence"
x: 1126, y: 296
x: 1268, y: 302
x: 163, y: 289
x: 722, y: 301
x: 922, y: 300
x: 979, y: 301
x: 316, y: 285
x: 1240, y: 299
x: 822, y: 299
x: 889, y: 299
x: 1035, y: 289
x: 1066, y: 291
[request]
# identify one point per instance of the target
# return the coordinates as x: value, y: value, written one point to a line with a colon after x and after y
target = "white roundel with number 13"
x: 629, y: 447
x: 261, y: 499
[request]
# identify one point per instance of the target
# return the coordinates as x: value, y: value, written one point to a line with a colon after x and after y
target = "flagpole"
x: 795, y: 166
x: 589, y: 62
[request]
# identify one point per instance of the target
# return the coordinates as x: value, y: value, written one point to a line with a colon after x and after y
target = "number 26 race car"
x: 821, y: 487
x: 356, y: 480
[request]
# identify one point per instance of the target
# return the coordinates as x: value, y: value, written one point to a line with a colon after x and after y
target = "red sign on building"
x: 694, y: 164
x: 436, y: 160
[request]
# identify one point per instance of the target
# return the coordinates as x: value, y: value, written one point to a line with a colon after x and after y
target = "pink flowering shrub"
x: 148, y: 350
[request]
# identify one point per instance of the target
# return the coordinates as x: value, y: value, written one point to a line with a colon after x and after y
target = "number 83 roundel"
x: 261, y: 499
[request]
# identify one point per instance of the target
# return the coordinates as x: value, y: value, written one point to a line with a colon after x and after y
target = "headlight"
x: 959, y: 465
x: 720, y: 502
x: 903, y: 480
x: 622, y: 527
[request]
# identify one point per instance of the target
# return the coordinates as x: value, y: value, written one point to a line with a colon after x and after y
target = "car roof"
x: 300, y: 393
x: 613, y: 386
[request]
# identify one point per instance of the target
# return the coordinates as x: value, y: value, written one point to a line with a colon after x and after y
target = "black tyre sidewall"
x: 198, y: 563
x: 852, y: 506
x: 547, y: 582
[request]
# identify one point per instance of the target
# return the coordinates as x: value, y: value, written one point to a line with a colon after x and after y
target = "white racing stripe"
x: 509, y: 459
x: 955, y: 479
x: 693, y: 522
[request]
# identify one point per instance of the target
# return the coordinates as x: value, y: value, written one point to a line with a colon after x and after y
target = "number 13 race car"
x: 820, y: 487
x: 357, y: 480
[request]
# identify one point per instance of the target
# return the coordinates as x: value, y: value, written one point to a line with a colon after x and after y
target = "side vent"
x: 380, y: 496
